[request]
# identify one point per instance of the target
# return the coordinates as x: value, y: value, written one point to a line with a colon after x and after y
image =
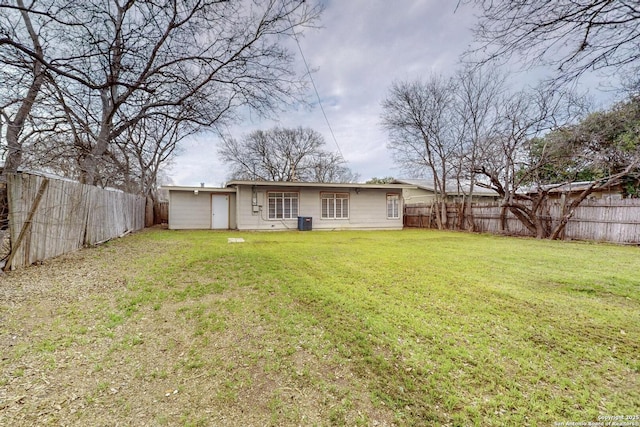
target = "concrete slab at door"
x: 220, y: 212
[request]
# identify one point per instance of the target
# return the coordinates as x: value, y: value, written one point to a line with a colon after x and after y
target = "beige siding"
x: 414, y: 196
x: 368, y: 210
x: 417, y: 196
x: 233, y: 223
x: 190, y: 211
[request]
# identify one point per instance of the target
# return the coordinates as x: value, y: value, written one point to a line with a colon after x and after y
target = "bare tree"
x: 282, y: 154
x: 22, y: 76
x: 423, y: 135
x: 142, y: 152
x: 513, y: 159
x: 478, y: 96
x: 384, y: 180
x: 120, y: 64
x: 574, y: 36
x: 602, y: 148
x: 331, y: 167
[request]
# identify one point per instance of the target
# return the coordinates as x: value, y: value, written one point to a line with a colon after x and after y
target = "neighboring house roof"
x: 570, y: 187
x: 452, y: 189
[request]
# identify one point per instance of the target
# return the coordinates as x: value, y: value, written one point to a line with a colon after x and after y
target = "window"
x: 393, y: 206
x: 283, y: 205
x: 335, y: 205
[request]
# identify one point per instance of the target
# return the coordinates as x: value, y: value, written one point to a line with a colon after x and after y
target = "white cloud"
x: 363, y: 47
x: 198, y: 162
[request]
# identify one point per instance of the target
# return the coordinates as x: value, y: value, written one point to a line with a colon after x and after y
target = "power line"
x: 313, y: 83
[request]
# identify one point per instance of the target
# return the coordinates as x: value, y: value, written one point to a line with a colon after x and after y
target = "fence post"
x: 27, y: 223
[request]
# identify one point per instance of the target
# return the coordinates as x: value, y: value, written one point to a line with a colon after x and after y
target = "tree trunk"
x: 558, y: 231
x: 503, y: 219
x: 468, y: 212
x: 461, y: 215
x: 435, y: 210
x: 538, y: 219
x: 568, y: 211
x: 148, y: 212
x: 14, y: 127
x: 89, y: 164
x: 525, y: 218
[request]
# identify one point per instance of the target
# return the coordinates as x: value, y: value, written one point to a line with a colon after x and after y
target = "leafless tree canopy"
x: 473, y: 129
x: 22, y: 78
x: 424, y: 130
x: 118, y: 76
x: 572, y: 35
x: 282, y: 154
x: 417, y: 115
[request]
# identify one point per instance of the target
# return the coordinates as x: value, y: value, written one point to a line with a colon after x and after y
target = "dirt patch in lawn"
x: 87, y: 340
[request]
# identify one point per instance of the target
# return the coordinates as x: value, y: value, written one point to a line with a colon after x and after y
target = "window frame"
x: 396, y: 197
x: 272, y: 215
x: 332, y: 207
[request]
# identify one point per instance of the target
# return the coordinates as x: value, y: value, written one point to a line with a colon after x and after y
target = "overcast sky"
x: 363, y: 47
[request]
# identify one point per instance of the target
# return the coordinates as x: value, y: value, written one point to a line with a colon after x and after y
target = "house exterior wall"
x: 367, y: 209
x: 188, y: 211
x: 414, y: 196
x: 610, y: 194
x: 233, y: 217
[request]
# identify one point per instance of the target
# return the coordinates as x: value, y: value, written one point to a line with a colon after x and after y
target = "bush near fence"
x: 49, y: 217
x: 605, y: 220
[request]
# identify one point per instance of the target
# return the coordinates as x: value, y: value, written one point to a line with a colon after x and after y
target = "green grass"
x: 437, y: 327
x: 443, y: 327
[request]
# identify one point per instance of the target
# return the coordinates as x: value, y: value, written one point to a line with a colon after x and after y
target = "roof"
x: 453, y: 188
x: 569, y: 187
x: 299, y: 184
x: 198, y: 188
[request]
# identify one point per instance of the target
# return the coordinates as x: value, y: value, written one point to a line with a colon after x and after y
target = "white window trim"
x: 291, y: 215
x: 334, y: 194
x: 391, y: 196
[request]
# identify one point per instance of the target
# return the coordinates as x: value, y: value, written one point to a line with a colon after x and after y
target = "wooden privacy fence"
x: 49, y: 217
x: 605, y: 220
x: 161, y: 212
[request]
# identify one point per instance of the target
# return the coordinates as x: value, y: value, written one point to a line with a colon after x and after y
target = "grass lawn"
x: 413, y: 327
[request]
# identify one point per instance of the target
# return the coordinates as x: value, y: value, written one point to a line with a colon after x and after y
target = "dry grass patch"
x: 349, y: 328
x: 106, y: 335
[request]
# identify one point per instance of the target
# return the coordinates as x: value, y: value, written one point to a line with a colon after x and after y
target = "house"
x: 572, y: 190
x: 422, y: 191
x: 264, y: 205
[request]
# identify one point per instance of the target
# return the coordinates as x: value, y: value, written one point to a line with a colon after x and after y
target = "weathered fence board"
x: 161, y: 212
x: 68, y: 216
x: 616, y: 221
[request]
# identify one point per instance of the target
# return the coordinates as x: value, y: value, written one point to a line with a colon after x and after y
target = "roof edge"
x: 198, y: 188
x: 318, y: 184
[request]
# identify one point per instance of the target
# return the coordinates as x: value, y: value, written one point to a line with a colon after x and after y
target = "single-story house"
x: 572, y: 190
x: 422, y: 191
x: 264, y: 205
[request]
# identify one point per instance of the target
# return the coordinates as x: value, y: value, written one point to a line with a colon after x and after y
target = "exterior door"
x: 220, y: 211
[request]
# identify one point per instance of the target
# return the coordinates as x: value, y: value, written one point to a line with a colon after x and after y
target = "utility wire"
x: 313, y: 83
